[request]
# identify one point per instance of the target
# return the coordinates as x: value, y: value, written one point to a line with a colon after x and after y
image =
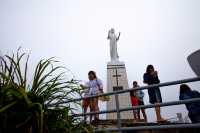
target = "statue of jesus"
x: 113, y: 45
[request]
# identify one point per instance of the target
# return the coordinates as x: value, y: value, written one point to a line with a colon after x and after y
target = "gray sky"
x: 158, y: 32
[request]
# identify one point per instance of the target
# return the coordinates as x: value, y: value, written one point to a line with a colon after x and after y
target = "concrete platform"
x: 130, y: 123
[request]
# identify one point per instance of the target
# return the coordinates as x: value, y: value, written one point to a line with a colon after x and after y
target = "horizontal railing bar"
x: 163, y: 104
x: 138, y: 88
x: 141, y: 107
x: 156, y: 127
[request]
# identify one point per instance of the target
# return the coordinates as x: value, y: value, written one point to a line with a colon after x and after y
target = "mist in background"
x: 162, y: 33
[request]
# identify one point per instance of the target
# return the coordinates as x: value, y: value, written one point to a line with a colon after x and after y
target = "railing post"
x: 118, y: 113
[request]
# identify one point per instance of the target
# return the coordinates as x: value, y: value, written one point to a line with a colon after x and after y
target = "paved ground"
x: 130, y: 123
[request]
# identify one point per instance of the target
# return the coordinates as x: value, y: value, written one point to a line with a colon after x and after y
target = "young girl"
x: 95, y: 87
x: 134, y: 102
x: 194, y: 107
x: 150, y: 78
x: 140, y: 96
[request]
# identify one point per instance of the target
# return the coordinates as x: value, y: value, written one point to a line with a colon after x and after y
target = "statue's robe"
x: 113, y: 47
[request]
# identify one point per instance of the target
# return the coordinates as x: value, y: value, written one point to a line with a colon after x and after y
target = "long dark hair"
x: 148, y: 68
x: 184, y: 88
x: 92, y: 73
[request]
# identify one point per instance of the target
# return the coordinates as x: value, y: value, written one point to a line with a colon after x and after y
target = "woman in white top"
x: 95, y: 87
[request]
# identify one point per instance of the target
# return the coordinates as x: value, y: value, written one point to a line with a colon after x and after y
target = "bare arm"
x: 84, y: 86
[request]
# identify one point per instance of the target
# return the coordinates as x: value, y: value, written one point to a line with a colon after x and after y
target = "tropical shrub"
x: 37, y: 105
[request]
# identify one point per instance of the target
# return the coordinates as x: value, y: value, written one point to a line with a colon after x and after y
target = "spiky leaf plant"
x: 37, y: 106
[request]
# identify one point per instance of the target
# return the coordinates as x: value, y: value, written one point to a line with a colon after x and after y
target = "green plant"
x: 37, y: 106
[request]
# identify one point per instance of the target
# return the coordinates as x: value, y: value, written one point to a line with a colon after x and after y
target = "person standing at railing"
x: 150, y: 78
x: 95, y: 86
x: 140, y: 96
x: 194, y: 107
x: 134, y: 102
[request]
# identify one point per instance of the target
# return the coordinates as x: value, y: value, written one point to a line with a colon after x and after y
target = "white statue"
x: 113, y: 45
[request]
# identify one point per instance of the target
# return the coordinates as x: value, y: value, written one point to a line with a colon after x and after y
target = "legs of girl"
x: 86, y: 104
x: 134, y: 102
x: 94, y: 108
x: 135, y: 115
x: 144, y: 115
x: 158, y: 99
x: 84, y: 111
x: 142, y: 110
x: 158, y: 114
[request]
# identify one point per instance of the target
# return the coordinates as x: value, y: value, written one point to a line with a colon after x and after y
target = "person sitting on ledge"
x: 194, y: 107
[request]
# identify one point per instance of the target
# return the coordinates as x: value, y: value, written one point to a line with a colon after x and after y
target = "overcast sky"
x: 158, y: 32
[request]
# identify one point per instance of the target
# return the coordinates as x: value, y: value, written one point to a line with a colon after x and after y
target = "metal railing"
x: 119, y: 110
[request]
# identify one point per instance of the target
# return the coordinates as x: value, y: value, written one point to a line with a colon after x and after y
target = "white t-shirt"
x: 86, y: 92
x: 94, y: 86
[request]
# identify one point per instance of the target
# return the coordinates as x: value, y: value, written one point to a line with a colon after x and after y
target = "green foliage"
x: 37, y: 106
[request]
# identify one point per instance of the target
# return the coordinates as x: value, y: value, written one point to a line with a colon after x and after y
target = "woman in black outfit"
x: 150, y: 78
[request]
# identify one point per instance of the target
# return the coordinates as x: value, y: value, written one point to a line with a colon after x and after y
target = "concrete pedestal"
x: 117, y: 80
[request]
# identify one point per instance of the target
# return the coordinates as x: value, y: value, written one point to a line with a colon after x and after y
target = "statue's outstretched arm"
x: 108, y: 35
x: 118, y: 36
